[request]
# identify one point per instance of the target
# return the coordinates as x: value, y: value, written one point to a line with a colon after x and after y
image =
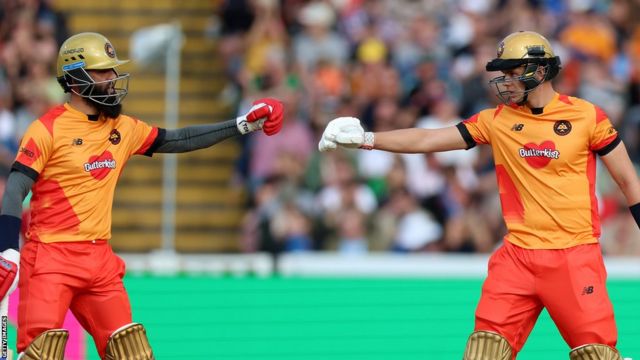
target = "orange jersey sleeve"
x: 545, y: 169
x: 603, y: 131
x: 478, y: 127
x: 142, y: 137
x: 77, y: 162
x: 37, y: 142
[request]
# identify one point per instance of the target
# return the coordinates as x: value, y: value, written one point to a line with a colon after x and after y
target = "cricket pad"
x: 129, y: 343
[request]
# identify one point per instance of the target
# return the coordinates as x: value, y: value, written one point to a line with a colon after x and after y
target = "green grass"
x: 333, y: 319
x: 320, y: 319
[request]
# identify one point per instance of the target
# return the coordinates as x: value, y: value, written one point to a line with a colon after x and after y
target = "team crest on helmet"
x: 111, y: 52
x: 500, y: 49
x: 114, y: 137
x: 562, y: 127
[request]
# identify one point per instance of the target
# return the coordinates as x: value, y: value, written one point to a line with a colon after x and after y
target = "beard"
x: 109, y: 111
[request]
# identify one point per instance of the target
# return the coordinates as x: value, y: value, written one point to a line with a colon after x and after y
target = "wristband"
x: 367, y: 144
x: 635, y: 211
x: 243, y: 125
x: 10, y: 230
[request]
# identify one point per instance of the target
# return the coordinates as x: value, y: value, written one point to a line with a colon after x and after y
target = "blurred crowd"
x: 30, y: 34
x: 391, y: 63
x: 397, y: 64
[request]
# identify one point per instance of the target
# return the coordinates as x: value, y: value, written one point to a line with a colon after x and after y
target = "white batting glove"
x: 346, y: 132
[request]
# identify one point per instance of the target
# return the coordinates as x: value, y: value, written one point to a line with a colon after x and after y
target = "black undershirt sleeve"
x: 466, y: 135
x: 157, y: 142
x: 24, y: 169
x: 193, y: 137
x: 18, y: 186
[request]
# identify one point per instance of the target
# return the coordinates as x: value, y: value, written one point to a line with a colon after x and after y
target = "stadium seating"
x: 208, y: 213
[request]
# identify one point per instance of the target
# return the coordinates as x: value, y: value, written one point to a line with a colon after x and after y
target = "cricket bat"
x: 5, y: 352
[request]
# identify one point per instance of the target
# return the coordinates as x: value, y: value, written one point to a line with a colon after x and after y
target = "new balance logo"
x: 588, y: 290
x: 517, y: 127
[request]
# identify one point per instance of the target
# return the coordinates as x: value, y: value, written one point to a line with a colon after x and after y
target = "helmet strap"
x: 530, y: 82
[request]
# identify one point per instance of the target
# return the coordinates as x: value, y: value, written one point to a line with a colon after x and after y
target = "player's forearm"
x: 400, y: 141
x: 625, y: 177
x: 197, y: 137
x: 623, y: 172
x: 630, y: 187
x: 417, y: 140
x: 627, y: 180
x: 631, y: 190
x: 17, y: 188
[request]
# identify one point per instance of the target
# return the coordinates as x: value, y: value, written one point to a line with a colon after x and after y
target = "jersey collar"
x: 91, y: 117
x: 541, y: 110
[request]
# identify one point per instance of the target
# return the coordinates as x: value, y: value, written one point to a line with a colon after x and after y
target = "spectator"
x: 403, y: 64
x: 390, y: 62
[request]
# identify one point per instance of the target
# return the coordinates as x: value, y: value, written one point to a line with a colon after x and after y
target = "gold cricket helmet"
x: 528, y: 49
x: 521, y: 48
x: 91, y: 51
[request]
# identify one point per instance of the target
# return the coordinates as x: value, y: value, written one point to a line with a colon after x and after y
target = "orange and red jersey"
x: 76, y: 163
x: 546, y: 168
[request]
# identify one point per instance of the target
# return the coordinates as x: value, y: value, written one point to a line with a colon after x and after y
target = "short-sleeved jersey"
x: 545, y: 167
x: 75, y: 163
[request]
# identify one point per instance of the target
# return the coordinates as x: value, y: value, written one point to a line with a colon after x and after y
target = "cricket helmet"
x: 528, y: 49
x: 90, y: 51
